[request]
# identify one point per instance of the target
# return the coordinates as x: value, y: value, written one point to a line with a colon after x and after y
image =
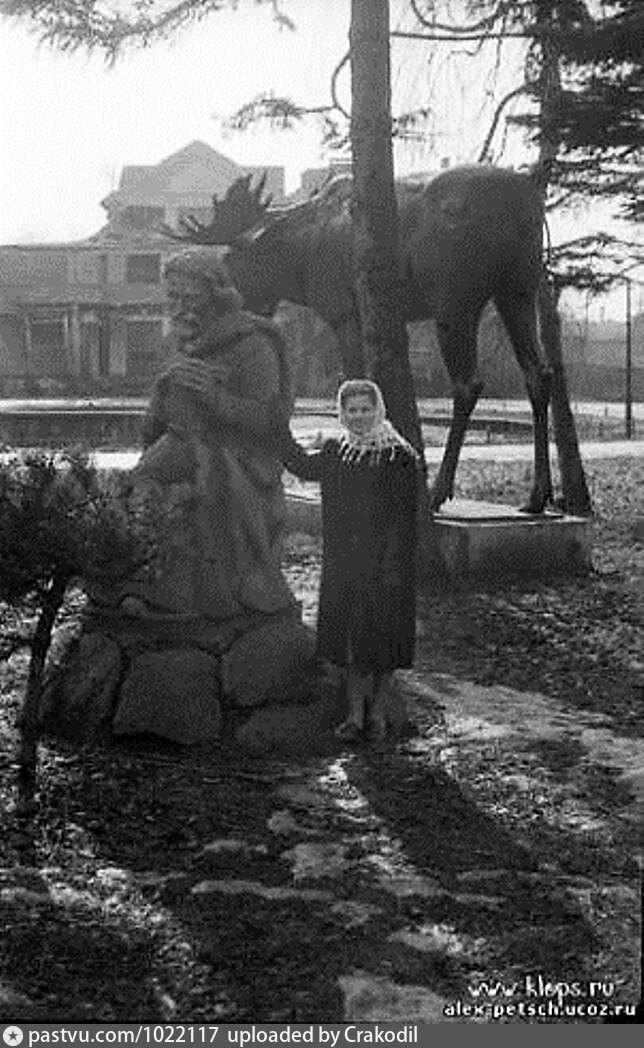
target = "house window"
x: 48, y: 356
x: 34, y: 268
x: 12, y: 342
x: 144, y: 345
x: 143, y: 269
x: 87, y: 267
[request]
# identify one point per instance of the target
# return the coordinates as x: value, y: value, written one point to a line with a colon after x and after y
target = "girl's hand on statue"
x: 193, y: 375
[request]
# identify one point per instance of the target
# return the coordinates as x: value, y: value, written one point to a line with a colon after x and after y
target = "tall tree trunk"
x: 576, y: 497
x: 375, y: 217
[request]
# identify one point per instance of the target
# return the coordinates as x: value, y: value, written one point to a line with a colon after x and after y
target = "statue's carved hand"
x: 194, y: 375
x: 218, y: 372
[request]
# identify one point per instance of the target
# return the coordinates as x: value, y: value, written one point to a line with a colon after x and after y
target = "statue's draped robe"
x: 209, y: 460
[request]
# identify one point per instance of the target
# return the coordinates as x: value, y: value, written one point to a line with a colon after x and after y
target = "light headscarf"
x: 381, y: 440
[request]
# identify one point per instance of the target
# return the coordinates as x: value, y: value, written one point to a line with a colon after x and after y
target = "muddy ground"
x: 488, y: 855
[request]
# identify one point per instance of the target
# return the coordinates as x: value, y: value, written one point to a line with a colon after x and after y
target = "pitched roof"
x: 196, y: 169
x: 193, y: 172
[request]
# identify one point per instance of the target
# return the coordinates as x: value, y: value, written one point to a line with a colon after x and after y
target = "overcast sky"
x: 69, y: 123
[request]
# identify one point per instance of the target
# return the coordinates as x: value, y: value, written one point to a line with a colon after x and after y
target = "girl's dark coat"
x: 367, y: 593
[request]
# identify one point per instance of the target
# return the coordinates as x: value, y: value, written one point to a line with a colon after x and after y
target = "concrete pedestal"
x: 482, y: 539
x: 472, y: 540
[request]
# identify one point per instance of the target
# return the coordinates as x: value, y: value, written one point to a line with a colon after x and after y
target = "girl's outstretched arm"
x: 307, y: 465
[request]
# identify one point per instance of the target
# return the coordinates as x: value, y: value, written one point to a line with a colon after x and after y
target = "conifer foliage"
x: 601, y: 100
x: 59, y: 526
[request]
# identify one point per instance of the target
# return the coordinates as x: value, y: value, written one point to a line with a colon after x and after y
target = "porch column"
x: 73, y: 340
x: 28, y: 345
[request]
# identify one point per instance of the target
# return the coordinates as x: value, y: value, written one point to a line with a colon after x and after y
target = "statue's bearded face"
x: 190, y: 305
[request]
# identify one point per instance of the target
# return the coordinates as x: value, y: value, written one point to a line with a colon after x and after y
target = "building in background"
x: 314, y: 178
x: 88, y: 317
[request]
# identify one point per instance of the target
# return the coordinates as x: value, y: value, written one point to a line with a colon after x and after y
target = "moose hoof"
x: 535, y: 506
x: 436, y: 500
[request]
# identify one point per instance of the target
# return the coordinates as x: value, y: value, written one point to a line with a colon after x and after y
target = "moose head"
x: 242, y: 208
x: 240, y: 221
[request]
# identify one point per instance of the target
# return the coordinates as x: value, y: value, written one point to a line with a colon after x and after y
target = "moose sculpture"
x: 468, y: 236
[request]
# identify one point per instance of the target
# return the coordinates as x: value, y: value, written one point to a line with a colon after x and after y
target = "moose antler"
x: 239, y: 210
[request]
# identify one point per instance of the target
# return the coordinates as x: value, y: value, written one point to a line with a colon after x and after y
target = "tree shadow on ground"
x: 128, y: 832
x: 69, y: 961
x: 494, y: 885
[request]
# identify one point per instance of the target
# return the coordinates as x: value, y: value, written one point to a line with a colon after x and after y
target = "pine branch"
x: 93, y: 25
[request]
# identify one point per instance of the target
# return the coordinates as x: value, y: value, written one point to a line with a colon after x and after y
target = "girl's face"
x: 359, y: 413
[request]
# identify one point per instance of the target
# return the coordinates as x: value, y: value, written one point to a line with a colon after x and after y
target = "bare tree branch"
x: 334, y: 85
x: 602, y: 34
x: 411, y: 35
x: 485, y: 23
x: 485, y: 148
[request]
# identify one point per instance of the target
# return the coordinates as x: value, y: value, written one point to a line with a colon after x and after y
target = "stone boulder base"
x: 293, y: 729
x: 270, y: 663
x: 189, y: 682
x: 79, y: 696
x: 172, y: 694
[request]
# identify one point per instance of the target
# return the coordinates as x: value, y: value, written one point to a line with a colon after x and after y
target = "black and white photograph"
x: 321, y: 518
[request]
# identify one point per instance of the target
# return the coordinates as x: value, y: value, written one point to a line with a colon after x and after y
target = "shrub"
x: 59, y: 526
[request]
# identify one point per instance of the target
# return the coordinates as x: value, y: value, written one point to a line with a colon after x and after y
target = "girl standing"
x: 369, y: 482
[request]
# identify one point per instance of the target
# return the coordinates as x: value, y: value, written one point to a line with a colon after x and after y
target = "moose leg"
x: 575, y: 494
x: 458, y: 348
x: 519, y: 315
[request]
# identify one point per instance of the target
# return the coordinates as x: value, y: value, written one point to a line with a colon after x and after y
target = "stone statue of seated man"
x: 209, y: 459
